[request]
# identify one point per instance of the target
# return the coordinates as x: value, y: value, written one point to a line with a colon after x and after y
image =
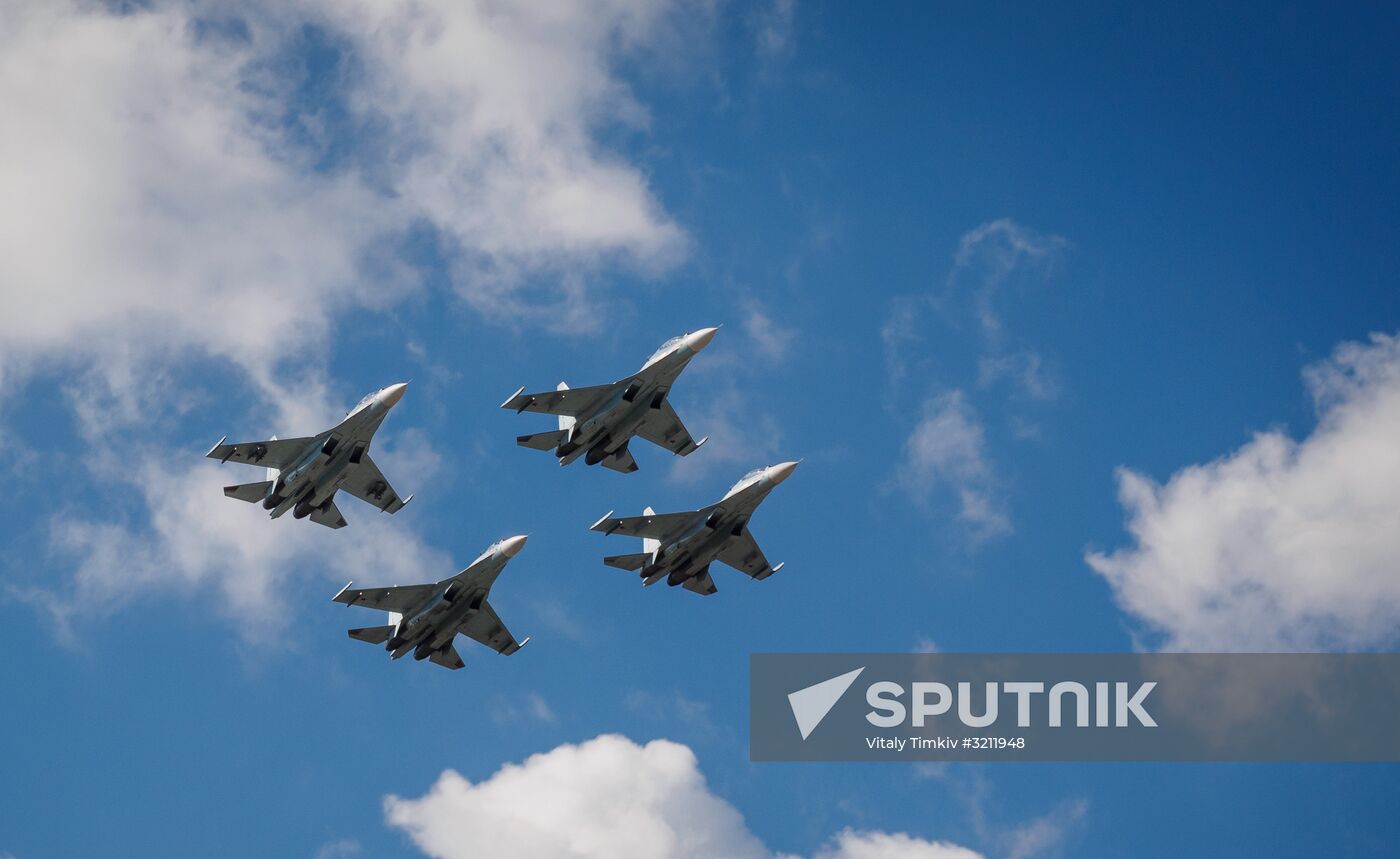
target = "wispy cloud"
x: 774, y: 34
x: 531, y: 708
x: 948, y: 445
x: 771, y: 339
x: 947, y: 448
x: 195, y: 542
x: 672, y: 709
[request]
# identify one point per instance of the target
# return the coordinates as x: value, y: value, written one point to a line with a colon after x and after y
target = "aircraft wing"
x: 657, y: 526
x: 399, y: 598
x: 278, y: 453
x: 366, y: 482
x: 570, y: 402
x: 485, y: 626
x: 743, y: 554
x: 663, y: 427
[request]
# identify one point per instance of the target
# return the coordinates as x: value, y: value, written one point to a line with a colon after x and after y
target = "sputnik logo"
x: 810, y: 705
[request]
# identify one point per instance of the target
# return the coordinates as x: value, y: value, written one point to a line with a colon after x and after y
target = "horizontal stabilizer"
x: 251, y: 492
x: 701, y: 583
x: 329, y: 515
x: 543, y: 440
x: 621, y: 461
x: 372, y: 634
x: 629, y: 562
x: 447, y: 658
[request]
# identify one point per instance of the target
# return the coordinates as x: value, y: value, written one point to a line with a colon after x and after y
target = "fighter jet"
x: 679, y: 547
x: 303, y: 474
x: 426, y: 618
x: 597, y: 423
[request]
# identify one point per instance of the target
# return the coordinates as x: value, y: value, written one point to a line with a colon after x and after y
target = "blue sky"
x: 1081, y: 319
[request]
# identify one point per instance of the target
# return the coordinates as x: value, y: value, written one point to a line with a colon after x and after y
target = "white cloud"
x: 198, y: 542
x: 672, y: 709
x: 170, y: 212
x: 1281, y: 544
x: 948, y: 445
x: 1024, y: 369
x: 987, y: 257
x: 772, y: 339
x: 742, y: 435
x: 147, y: 210
x: 987, y: 262
x: 948, y: 448
x: 341, y: 849
x: 493, y: 111
x: 1044, y: 834
x: 610, y: 797
x: 532, y: 707
x: 161, y: 195
x: 773, y: 29
x: 853, y: 844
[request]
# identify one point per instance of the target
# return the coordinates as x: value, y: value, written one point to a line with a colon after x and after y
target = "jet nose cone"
x: 392, y: 394
x: 780, y: 472
x: 700, y: 339
x: 511, y: 546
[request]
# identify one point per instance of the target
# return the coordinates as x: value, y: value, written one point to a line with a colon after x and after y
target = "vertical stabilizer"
x: 565, y: 421
x: 650, y: 544
x: 394, y: 619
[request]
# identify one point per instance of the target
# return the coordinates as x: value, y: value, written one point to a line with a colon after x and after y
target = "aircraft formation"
x: 596, y: 423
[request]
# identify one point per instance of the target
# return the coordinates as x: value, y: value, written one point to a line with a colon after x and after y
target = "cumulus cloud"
x: 947, y: 448
x: 162, y: 194
x: 610, y: 797
x: 147, y: 209
x: 1280, y: 544
x: 494, y: 110
x: 176, y: 207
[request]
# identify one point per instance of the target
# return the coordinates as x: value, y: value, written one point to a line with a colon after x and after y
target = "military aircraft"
x: 597, y: 423
x: 303, y: 474
x: 427, y: 618
x: 679, y: 547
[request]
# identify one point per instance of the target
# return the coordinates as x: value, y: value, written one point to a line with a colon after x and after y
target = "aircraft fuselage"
x: 319, y: 473
x: 689, y: 553
x: 610, y: 427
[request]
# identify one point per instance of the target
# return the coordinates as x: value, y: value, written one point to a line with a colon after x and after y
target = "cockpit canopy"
x: 665, y: 348
x: 745, y: 481
x: 368, y: 398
